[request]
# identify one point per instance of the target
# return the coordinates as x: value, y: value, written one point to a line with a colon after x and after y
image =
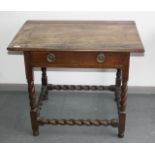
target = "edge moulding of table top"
x: 77, y: 44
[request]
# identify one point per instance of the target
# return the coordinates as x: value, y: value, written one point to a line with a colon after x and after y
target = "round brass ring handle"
x: 51, y: 57
x: 100, y: 57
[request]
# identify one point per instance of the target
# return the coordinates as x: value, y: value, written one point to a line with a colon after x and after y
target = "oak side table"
x: 77, y: 44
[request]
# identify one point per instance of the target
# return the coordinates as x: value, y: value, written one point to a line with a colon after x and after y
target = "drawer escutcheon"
x: 51, y: 57
x: 100, y: 58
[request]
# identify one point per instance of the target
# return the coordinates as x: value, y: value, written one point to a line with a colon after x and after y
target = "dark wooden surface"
x: 115, y: 36
x: 77, y: 44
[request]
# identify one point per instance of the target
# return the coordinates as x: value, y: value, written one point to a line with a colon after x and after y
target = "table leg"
x: 118, y: 85
x: 44, y: 82
x: 32, y: 95
x: 122, y: 107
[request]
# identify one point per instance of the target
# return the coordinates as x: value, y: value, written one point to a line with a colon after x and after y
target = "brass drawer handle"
x: 51, y: 57
x: 100, y: 57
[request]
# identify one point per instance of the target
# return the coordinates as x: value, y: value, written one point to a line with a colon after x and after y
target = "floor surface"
x: 15, y: 121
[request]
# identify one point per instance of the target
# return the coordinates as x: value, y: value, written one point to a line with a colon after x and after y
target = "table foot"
x: 36, y: 133
x: 121, y: 135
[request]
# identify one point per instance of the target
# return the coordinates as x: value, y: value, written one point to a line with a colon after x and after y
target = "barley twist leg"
x: 44, y: 83
x: 32, y: 95
x: 122, y: 106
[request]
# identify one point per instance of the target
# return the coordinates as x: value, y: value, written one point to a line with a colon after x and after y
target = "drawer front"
x: 79, y: 59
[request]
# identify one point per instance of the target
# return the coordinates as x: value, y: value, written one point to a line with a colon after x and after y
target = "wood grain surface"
x: 104, y: 36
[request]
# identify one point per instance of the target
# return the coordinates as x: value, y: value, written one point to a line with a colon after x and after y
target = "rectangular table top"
x: 106, y: 36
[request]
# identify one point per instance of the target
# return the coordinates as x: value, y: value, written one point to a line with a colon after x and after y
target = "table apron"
x: 79, y: 59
